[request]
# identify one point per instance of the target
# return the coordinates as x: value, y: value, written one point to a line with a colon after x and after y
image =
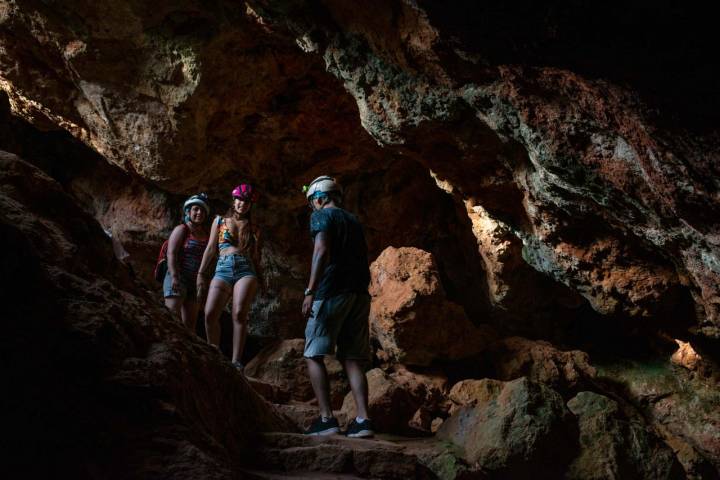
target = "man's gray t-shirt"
x: 347, y: 269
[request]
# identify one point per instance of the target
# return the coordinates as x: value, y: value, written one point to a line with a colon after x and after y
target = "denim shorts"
x: 186, y: 288
x: 233, y: 267
x: 341, y: 320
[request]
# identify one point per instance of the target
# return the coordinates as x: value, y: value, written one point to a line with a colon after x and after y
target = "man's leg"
x: 321, y: 387
x: 359, y: 386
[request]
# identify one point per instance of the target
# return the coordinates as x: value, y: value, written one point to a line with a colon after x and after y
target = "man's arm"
x: 320, y: 259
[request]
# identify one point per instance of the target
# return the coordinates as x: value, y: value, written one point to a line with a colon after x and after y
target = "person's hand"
x: 201, y: 285
x: 307, y: 306
x: 175, y: 283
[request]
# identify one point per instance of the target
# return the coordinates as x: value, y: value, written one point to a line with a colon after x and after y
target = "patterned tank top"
x: 192, y: 254
x: 226, y: 239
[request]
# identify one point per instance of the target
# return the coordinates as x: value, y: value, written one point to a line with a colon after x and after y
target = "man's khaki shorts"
x: 341, y: 320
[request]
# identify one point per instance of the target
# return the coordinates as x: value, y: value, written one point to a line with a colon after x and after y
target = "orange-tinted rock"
x: 270, y: 392
x: 685, y: 356
x: 606, y: 192
x: 469, y: 393
x: 602, y: 181
x: 303, y: 414
x: 538, y: 360
x: 282, y: 365
x: 411, y: 318
x: 336, y: 457
x: 403, y: 402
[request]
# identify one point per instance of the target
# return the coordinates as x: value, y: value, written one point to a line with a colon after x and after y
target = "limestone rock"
x: 615, y: 447
x: 302, y: 414
x: 606, y: 195
x: 337, y: 457
x: 402, y: 402
x: 516, y: 357
x: 548, y: 151
x: 410, y: 316
x: 469, y: 393
x: 682, y: 407
x: 282, y: 364
x: 511, y: 429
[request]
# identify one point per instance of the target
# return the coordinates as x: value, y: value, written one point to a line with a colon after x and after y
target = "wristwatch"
x: 309, y: 292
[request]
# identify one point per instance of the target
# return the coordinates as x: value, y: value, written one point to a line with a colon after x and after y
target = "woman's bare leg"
x: 189, y: 311
x: 218, y: 296
x: 173, y: 304
x: 243, y: 295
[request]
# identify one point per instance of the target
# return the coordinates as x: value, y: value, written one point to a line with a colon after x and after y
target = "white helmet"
x: 199, y: 200
x: 322, y: 184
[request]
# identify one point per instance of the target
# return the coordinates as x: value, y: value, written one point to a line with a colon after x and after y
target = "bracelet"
x: 309, y: 292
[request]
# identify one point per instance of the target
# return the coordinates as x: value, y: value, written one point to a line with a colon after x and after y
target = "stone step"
x: 385, y: 457
x: 261, y: 475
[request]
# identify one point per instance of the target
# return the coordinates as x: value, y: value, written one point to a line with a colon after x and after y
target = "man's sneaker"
x: 323, y: 427
x: 362, y: 429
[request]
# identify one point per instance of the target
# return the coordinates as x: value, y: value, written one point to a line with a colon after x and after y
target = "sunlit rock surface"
x: 410, y: 315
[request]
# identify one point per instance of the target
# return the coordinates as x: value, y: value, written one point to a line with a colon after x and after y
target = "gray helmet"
x: 322, y: 184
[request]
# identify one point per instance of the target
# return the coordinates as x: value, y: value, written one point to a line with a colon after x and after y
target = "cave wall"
x: 264, y: 111
x: 609, y: 194
x: 559, y: 161
x: 100, y: 381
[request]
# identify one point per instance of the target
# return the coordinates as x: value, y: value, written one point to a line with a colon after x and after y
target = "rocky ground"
x: 540, y: 191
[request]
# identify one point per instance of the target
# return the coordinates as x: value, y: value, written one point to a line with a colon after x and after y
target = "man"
x: 337, y: 305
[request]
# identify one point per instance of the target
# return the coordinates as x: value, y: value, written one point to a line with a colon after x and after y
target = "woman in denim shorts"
x: 186, y: 245
x: 235, y: 241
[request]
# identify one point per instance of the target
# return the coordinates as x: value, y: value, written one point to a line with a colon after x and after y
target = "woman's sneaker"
x: 323, y: 427
x: 362, y: 429
x: 239, y: 366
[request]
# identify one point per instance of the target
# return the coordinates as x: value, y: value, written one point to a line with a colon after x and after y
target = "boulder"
x: 287, y: 455
x: 411, y: 317
x: 511, y: 429
x: 282, y: 364
x: 538, y: 360
x: 612, y: 446
x: 468, y: 393
x: 680, y: 405
x: 302, y: 414
x: 402, y: 402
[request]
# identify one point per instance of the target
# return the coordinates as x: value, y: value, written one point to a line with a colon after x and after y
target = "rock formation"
x: 103, y: 381
x: 410, y: 316
x: 514, y: 429
x: 614, y: 447
x: 539, y: 187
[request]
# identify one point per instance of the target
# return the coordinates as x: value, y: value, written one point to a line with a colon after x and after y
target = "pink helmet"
x: 245, y: 192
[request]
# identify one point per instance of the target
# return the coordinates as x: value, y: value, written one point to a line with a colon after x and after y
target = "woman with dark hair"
x: 186, y: 246
x: 236, y: 244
